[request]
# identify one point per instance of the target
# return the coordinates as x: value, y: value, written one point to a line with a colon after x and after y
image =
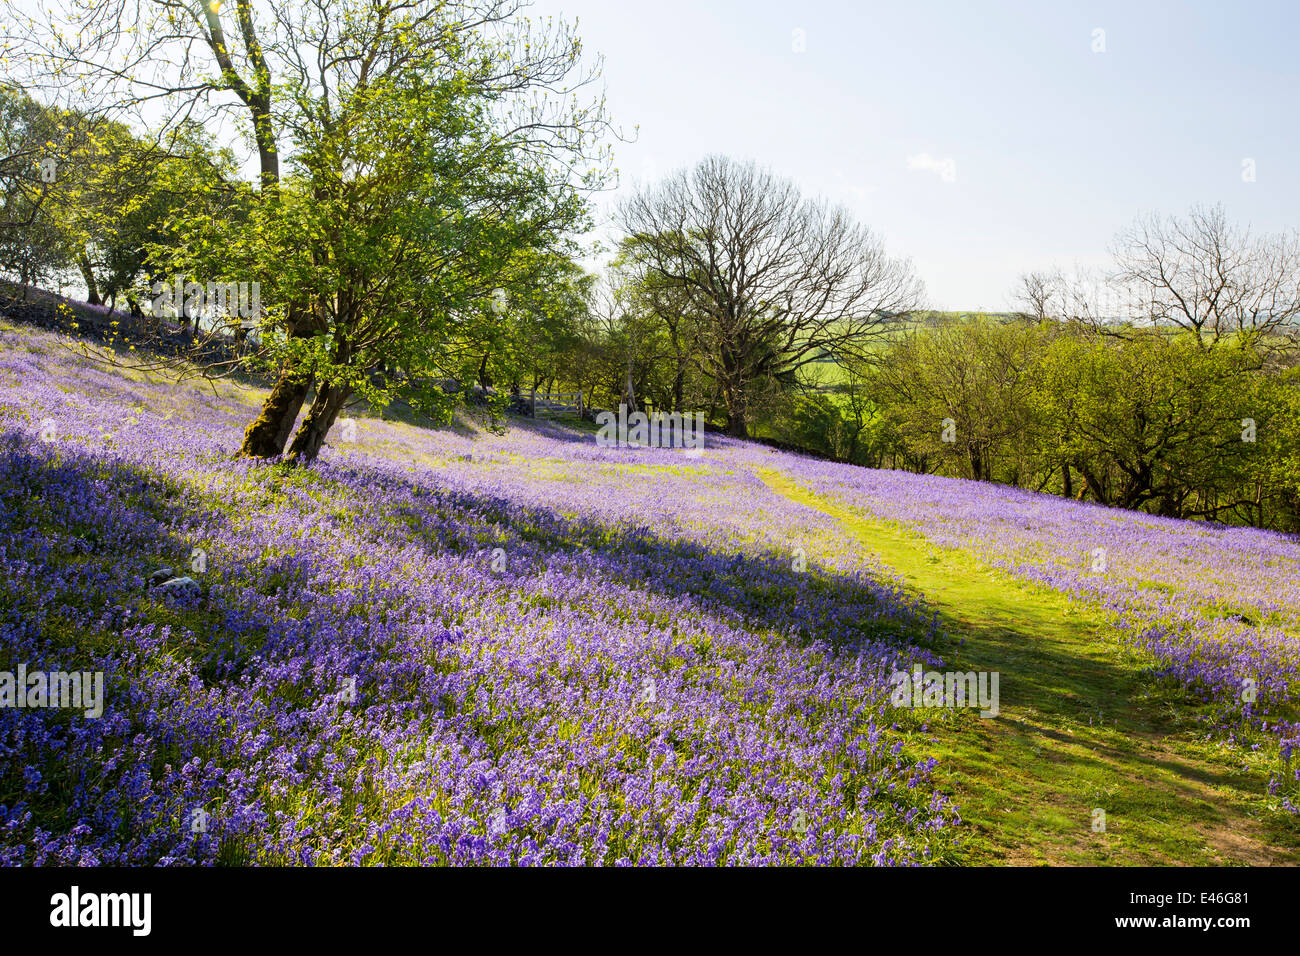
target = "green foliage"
x: 403, y: 212
x: 1136, y: 417
x: 1152, y: 420
x: 36, y: 143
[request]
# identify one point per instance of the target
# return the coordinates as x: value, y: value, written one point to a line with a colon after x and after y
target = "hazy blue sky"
x: 1054, y: 147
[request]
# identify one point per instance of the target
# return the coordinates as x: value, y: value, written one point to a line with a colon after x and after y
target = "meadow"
x: 507, y: 645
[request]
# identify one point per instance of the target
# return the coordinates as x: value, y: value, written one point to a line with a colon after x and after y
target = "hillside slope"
x: 456, y: 646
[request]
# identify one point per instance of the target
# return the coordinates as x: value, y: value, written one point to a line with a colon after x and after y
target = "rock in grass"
x: 187, y: 587
x: 161, y: 575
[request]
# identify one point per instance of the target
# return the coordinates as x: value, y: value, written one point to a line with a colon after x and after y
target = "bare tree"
x: 1211, y: 277
x: 773, y: 281
x: 1041, y: 294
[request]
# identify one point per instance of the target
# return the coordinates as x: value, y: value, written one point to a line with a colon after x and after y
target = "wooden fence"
x: 556, y: 402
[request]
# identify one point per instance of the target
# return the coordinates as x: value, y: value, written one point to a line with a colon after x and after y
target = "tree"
x: 634, y: 337
x: 36, y: 144
x: 1210, y: 277
x: 402, y: 212
x: 1276, y: 468
x: 119, y: 196
x: 770, y: 280
x: 1150, y: 420
x: 546, y: 296
x: 1042, y: 295
x: 959, y: 391
x: 665, y: 331
x: 297, y: 73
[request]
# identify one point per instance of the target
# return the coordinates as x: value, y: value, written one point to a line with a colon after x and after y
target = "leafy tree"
x: 1146, y: 422
x: 402, y: 213
x: 959, y: 391
x: 36, y: 143
x: 297, y: 78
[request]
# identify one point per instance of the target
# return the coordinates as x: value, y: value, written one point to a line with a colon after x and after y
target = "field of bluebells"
x: 1218, y: 608
x: 433, y: 647
x: 469, y: 647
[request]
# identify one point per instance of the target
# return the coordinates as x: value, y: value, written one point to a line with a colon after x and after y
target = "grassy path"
x: 1080, y: 728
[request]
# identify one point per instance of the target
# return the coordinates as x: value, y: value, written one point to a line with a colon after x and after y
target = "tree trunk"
x: 87, y: 274
x: 713, y: 407
x: 1067, y: 481
x: 266, y: 435
x: 737, y: 427
x: 733, y: 403
x: 629, y: 392
x: 268, y: 154
x: 1095, y: 487
x: 316, y: 426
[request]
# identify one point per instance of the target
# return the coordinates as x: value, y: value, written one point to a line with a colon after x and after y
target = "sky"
x: 980, y: 140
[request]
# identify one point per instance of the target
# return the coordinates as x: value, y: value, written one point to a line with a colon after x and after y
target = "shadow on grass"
x: 93, y: 527
x: 1086, y: 725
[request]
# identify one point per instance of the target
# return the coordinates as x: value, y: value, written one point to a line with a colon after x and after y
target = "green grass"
x: 1082, y: 725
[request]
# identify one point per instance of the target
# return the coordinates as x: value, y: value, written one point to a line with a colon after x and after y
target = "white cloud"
x: 946, y: 168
